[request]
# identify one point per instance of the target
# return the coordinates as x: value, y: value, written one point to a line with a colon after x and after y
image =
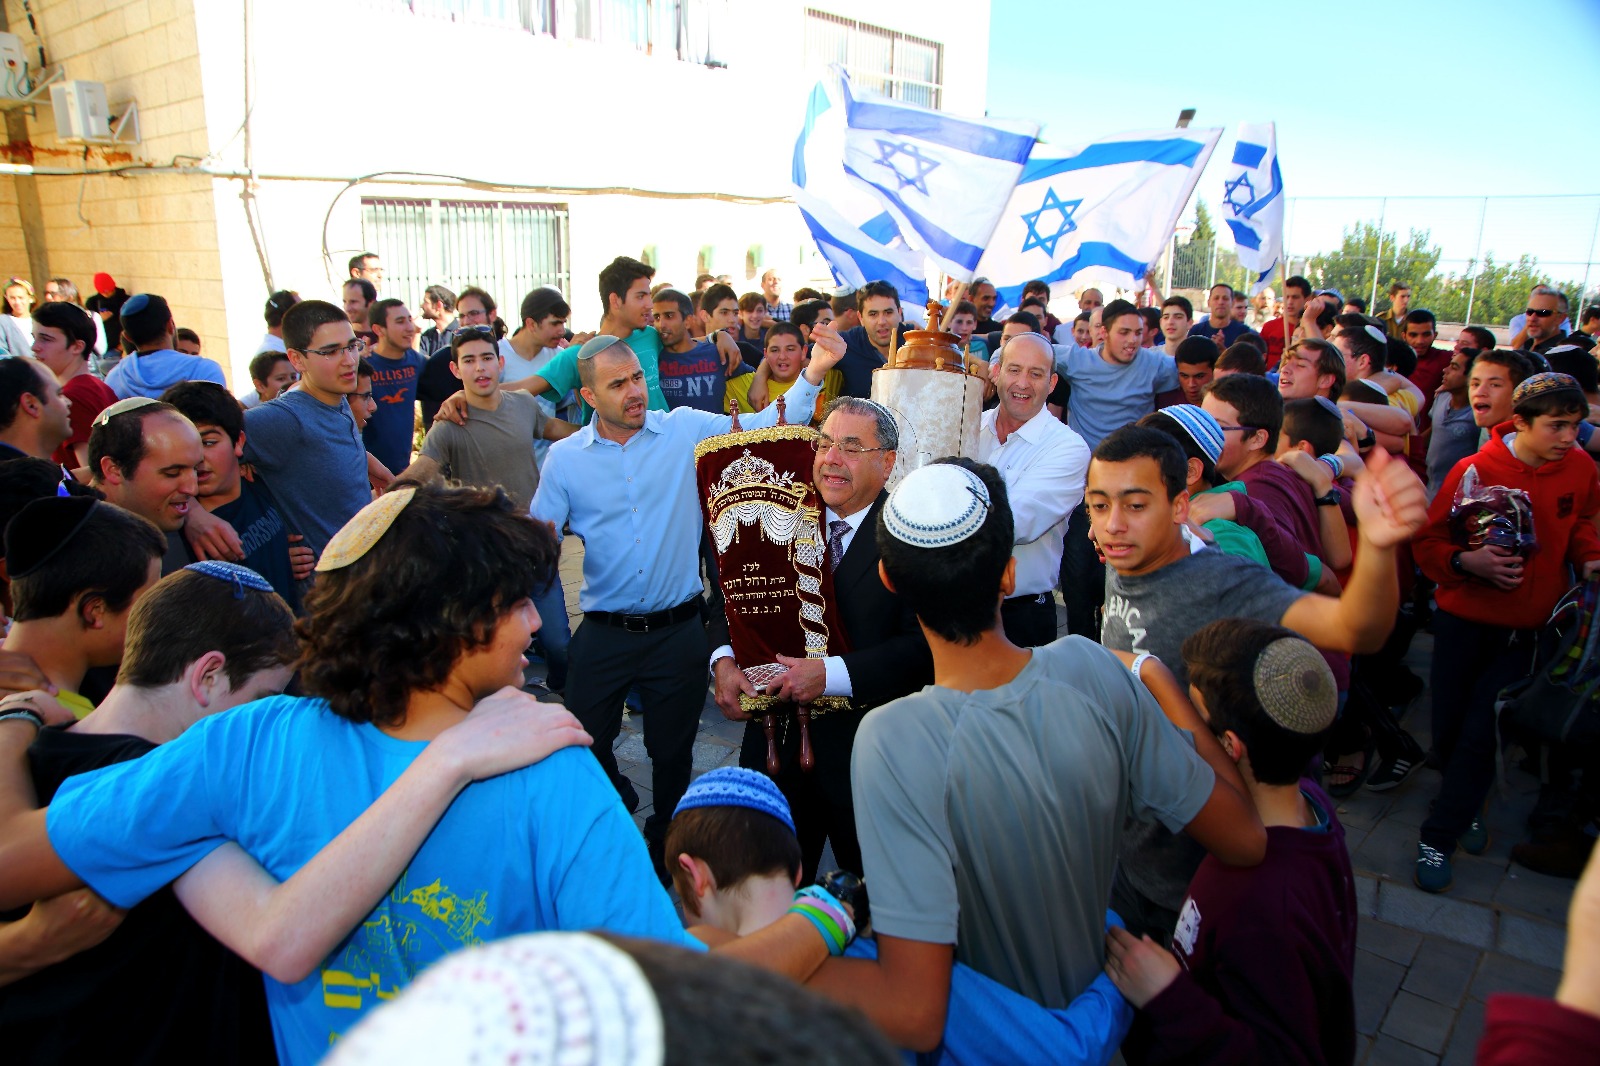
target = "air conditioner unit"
x: 82, y: 113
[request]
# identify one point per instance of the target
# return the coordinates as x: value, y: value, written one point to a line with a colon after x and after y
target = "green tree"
x: 1494, y: 292
x: 1191, y: 262
x: 1366, y: 250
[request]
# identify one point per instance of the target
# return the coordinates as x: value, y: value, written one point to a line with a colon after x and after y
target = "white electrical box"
x: 82, y: 113
x: 14, y: 83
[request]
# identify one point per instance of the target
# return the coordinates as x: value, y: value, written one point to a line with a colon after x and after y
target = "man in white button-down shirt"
x: 1044, y: 465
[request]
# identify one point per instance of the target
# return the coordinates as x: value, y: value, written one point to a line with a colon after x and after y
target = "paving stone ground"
x: 1425, y: 964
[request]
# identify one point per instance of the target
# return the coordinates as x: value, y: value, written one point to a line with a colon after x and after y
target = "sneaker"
x: 1475, y: 841
x: 1392, y: 773
x: 1432, y: 871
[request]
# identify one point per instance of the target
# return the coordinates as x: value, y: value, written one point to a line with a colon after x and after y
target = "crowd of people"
x: 270, y: 751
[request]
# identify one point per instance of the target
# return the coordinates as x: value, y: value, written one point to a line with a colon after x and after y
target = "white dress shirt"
x: 1044, y: 465
x: 837, y: 675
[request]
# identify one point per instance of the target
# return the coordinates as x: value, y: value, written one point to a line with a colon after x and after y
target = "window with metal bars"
x: 683, y: 29
x: 883, y: 60
x: 507, y: 249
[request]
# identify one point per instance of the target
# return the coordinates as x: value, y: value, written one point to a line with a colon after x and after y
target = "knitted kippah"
x: 937, y: 506
x: 541, y: 999
x: 1201, y: 425
x: 1295, y: 686
x: 1544, y: 384
x: 364, y: 529
x: 41, y: 529
x: 732, y: 786
x: 240, y: 577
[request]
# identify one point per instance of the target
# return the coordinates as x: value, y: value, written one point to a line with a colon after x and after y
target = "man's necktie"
x: 837, y: 529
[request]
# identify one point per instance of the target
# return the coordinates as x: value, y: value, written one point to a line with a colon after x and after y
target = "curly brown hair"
x: 396, y: 621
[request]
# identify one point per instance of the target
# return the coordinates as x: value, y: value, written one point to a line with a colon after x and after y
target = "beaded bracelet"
x: 827, y: 914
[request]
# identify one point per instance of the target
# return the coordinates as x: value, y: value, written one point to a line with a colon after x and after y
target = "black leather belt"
x: 644, y: 623
x: 1042, y: 597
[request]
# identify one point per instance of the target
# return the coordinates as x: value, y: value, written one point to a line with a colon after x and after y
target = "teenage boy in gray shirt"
x: 989, y: 804
x: 1112, y: 386
x: 1159, y: 591
x: 495, y: 447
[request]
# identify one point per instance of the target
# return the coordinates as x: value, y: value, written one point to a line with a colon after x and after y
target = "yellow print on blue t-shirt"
x: 410, y: 929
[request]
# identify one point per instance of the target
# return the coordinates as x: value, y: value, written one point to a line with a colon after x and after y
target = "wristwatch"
x: 1455, y: 565
x: 1329, y: 499
x: 1367, y: 443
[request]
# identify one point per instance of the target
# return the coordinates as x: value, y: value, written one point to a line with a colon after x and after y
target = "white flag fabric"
x: 1103, y: 211
x: 1252, y: 201
x: 860, y: 240
x: 944, y: 180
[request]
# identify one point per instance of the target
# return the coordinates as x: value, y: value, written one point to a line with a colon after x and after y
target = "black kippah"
x: 42, y: 529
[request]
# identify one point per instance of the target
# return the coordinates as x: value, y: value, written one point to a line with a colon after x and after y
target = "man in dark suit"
x: 889, y: 657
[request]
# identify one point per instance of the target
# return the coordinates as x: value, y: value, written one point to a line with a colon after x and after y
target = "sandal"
x: 1342, y: 779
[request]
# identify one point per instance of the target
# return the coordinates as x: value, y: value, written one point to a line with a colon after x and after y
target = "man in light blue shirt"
x: 1112, y: 386
x: 625, y: 486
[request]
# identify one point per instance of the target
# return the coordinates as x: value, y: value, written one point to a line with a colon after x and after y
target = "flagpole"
x: 1185, y: 117
x: 950, y: 312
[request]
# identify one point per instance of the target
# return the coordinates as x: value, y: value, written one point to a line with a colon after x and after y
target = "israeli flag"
x: 860, y: 240
x: 943, y: 180
x: 1103, y: 211
x: 1252, y: 201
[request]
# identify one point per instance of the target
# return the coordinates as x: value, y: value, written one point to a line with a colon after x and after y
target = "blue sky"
x: 1465, y: 98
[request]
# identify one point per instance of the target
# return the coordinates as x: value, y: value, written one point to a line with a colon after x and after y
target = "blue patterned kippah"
x: 240, y: 577
x: 732, y: 786
x: 1201, y: 425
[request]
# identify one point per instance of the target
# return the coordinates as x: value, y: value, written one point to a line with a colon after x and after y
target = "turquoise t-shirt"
x: 546, y: 847
x: 562, y: 371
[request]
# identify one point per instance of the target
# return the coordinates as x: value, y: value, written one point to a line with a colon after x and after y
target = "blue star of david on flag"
x: 921, y: 164
x: 1240, y: 194
x: 1038, y: 238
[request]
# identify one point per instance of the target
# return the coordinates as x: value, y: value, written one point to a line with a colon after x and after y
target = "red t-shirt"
x: 89, y: 396
x: 1272, y: 333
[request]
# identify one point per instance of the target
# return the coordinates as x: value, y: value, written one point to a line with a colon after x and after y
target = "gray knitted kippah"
x: 1295, y: 686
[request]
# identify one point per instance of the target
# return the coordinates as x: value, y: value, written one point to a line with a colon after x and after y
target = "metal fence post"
x: 1477, y: 265
x: 1383, y: 212
x: 1583, y: 294
x: 1212, y: 280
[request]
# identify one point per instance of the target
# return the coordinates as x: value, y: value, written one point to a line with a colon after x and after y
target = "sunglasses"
x: 1539, y: 312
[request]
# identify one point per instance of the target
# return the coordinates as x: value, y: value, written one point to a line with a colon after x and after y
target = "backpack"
x: 1559, y: 701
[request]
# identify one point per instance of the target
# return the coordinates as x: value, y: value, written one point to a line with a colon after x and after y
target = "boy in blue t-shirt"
x: 1262, y: 957
x: 735, y: 862
x: 400, y: 642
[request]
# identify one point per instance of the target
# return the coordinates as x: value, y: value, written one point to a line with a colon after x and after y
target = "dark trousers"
x: 1029, y: 621
x: 819, y: 799
x: 1083, y: 578
x: 1142, y: 915
x: 1472, y: 662
x: 667, y: 667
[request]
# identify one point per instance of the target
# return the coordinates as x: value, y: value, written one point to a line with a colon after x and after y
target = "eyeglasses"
x: 823, y: 444
x: 1240, y: 429
x: 356, y: 347
x: 1539, y: 312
